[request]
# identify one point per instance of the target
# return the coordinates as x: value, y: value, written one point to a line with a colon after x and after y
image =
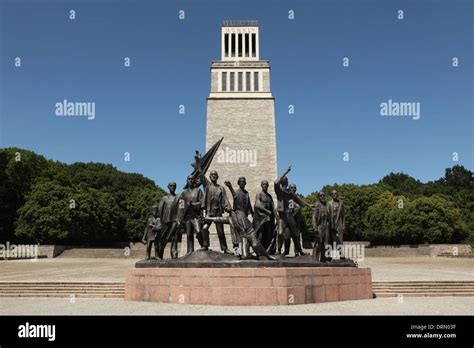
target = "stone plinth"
x: 248, y: 286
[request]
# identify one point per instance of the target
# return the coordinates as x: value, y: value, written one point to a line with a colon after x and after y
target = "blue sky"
x: 336, y: 108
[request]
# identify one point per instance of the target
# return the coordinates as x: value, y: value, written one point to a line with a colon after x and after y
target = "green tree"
x: 379, y: 219
x: 110, y: 206
x: 46, y: 216
x: 19, y: 169
x: 65, y: 215
x: 423, y: 220
x: 437, y: 220
x: 402, y: 184
x: 458, y: 176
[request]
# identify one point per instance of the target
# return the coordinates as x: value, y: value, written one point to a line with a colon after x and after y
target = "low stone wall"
x: 397, y: 251
x: 51, y: 251
x: 454, y: 249
x: 417, y: 250
x: 137, y: 250
x: 132, y: 250
x: 31, y: 251
x: 248, y: 286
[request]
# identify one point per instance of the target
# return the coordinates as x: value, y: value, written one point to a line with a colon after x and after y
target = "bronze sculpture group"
x: 270, y: 232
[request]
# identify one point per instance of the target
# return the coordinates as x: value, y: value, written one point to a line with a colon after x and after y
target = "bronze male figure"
x: 295, y: 210
x: 286, y: 200
x: 215, y: 202
x: 321, y: 226
x: 168, y: 214
x: 336, y: 221
x: 189, y: 215
x: 264, y: 216
x: 242, y: 203
x: 152, y: 235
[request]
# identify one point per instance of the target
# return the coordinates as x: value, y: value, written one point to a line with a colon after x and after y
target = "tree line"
x: 402, y: 210
x: 49, y: 202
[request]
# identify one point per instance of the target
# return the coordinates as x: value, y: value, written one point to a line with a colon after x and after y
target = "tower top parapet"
x: 246, y: 23
x: 240, y: 41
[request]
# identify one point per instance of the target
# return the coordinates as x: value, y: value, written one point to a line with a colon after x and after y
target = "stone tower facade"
x: 241, y: 108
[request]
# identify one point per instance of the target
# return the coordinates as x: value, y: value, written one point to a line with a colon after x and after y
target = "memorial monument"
x: 205, y: 276
x: 241, y: 118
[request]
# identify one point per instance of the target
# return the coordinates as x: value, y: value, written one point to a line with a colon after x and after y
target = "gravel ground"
x: 419, y: 268
x: 80, y: 269
x: 383, y: 269
x: 382, y: 306
x: 67, y: 269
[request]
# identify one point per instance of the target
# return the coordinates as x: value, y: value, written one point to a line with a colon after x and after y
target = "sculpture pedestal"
x: 247, y: 283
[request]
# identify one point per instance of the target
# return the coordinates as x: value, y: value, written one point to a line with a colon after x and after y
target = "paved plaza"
x: 420, y: 268
x: 384, y: 306
x: 66, y: 269
x: 113, y: 270
x: 84, y: 269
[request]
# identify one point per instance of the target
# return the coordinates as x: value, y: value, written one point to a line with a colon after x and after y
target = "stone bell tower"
x: 241, y: 108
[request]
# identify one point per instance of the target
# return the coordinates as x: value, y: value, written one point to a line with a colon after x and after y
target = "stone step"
x: 423, y: 291
x: 426, y: 282
x: 423, y: 288
x: 427, y: 294
x: 63, y: 289
x: 42, y: 294
x: 56, y: 295
x: 421, y: 285
x: 62, y: 283
x: 116, y: 289
x: 453, y: 285
x: 61, y: 286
